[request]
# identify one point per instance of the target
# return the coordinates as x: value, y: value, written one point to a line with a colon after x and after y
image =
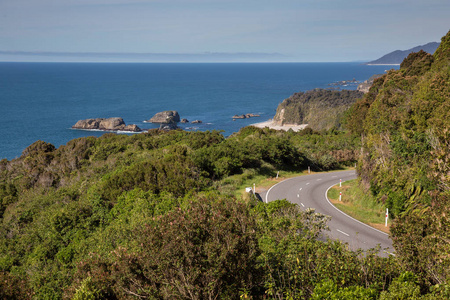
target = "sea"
x: 41, y: 101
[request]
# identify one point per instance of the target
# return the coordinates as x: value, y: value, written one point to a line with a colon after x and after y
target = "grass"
x: 359, y: 205
x: 236, y: 184
x: 264, y: 178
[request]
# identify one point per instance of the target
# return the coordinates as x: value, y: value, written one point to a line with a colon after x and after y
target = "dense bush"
x: 405, y: 155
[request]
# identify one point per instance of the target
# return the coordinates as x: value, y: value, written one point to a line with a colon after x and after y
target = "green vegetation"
x: 156, y: 215
x: 358, y: 204
x: 320, y: 109
x: 404, y: 123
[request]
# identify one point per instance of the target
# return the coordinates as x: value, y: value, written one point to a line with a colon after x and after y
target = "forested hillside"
x: 404, y: 122
x: 320, y: 109
x: 154, y: 216
x: 157, y: 216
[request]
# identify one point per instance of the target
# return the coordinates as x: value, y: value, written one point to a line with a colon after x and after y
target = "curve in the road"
x: 309, y: 191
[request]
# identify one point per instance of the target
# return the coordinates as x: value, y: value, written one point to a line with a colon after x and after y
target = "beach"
x: 272, y: 125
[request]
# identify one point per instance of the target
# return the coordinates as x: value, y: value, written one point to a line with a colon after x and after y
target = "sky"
x: 278, y: 30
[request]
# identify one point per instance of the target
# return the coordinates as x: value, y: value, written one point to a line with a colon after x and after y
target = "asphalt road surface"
x: 310, y: 192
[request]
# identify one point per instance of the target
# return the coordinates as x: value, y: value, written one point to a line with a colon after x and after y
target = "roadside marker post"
x: 278, y: 173
x: 309, y: 170
x: 340, y: 182
x: 387, y: 214
x: 340, y: 196
x: 254, y: 189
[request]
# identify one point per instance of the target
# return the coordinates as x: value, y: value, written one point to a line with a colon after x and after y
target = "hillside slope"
x: 320, y: 109
x: 404, y: 121
x: 396, y: 57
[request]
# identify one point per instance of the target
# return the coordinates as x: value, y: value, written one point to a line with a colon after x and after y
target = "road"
x: 310, y: 192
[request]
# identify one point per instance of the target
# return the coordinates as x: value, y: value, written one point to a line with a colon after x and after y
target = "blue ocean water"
x: 41, y: 101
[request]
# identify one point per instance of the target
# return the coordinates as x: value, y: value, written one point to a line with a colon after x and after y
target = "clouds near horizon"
x: 306, y: 30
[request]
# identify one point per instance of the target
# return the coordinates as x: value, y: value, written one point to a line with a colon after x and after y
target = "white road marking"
x: 319, y: 179
x: 302, y: 204
x: 307, y: 183
x: 298, y: 196
x: 343, y: 232
x: 328, y: 200
x: 334, y: 176
x: 300, y: 189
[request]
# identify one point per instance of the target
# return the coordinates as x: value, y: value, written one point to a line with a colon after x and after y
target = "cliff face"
x: 365, y: 86
x: 320, y: 109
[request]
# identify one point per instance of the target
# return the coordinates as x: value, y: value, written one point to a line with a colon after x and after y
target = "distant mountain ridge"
x: 396, y: 57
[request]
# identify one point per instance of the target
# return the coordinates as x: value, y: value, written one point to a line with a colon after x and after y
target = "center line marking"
x: 319, y: 179
x: 300, y: 189
x: 343, y: 232
x: 298, y: 196
x: 307, y: 183
x: 302, y: 204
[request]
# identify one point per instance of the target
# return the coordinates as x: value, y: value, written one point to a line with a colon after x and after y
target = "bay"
x: 41, y: 101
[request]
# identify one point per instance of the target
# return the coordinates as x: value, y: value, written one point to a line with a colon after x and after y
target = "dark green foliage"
x: 135, y: 216
x: 93, y: 195
x: 205, y: 250
x: 405, y: 159
x: 417, y: 63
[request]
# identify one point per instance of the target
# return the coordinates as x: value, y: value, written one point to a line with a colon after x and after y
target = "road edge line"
x: 267, y: 194
x: 329, y: 202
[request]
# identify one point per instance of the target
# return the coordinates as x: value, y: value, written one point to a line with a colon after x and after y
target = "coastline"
x: 269, y: 123
x: 382, y: 64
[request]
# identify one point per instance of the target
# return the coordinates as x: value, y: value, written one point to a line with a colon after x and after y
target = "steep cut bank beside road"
x: 320, y: 109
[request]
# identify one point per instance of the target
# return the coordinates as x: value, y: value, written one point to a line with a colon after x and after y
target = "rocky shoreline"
x: 274, y: 125
x: 106, y: 124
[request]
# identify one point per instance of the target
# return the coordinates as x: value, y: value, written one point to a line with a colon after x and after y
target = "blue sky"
x: 301, y: 30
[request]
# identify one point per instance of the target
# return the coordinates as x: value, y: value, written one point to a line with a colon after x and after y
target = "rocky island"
x: 109, y: 124
x: 165, y: 117
x: 244, y: 116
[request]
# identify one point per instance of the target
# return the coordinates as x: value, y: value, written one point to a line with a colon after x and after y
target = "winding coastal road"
x: 310, y: 192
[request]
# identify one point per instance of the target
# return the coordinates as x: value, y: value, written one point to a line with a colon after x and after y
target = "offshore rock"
x: 165, y: 117
x: 110, y: 124
x: 184, y: 121
x: 245, y: 116
x: 196, y: 122
x: 168, y: 126
x: 132, y: 127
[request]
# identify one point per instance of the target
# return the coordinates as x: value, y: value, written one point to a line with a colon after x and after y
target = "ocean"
x: 41, y: 101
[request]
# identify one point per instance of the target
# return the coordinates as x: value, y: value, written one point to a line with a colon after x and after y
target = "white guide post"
x: 278, y: 173
x: 254, y: 189
x: 387, y: 216
x: 309, y: 170
x: 340, y: 196
x: 340, y: 182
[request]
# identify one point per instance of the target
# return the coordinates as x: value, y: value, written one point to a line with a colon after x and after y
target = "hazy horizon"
x: 250, y: 30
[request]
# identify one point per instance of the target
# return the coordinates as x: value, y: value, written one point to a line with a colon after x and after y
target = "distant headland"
x: 397, y: 56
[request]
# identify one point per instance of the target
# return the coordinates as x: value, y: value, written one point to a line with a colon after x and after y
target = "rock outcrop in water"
x: 110, y: 124
x: 165, y: 117
x: 245, y: 116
